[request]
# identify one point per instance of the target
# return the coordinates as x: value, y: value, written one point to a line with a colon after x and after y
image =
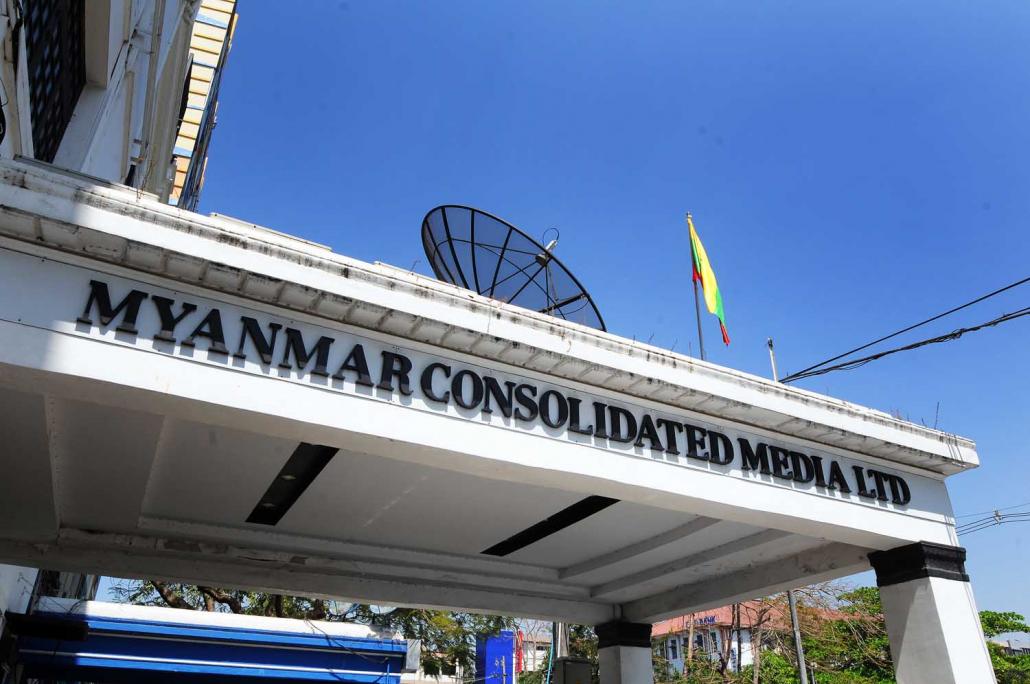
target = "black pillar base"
x: 618, y: 633
x: 915, y: 561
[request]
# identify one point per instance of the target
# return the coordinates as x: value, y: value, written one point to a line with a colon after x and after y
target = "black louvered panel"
x: 56, y: 66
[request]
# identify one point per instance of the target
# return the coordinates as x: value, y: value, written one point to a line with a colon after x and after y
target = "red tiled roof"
x: 775, y: 617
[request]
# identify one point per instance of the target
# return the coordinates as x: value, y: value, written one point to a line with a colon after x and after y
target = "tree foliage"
x: 448, y: 639
x: 850, y: 637
x: 995, y: 623
x: 1008, y: 668
x: 582, y: 644
x: 843, y: 633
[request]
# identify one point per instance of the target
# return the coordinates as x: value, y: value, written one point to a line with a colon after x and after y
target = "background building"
x: 124, y: 91
x: 209, y: 48
x: 713, y: 635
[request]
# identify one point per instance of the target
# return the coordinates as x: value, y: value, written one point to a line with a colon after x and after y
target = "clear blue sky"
x: 852, y: 167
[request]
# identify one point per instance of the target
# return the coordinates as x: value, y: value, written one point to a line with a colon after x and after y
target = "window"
x: 56, y: 67
x: 673, y: 648
x: 438, y: 668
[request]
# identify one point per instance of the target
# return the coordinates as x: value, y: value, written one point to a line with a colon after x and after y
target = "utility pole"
x: 802, y: 669
x: 791, y: 601
x: 561, y: 639
x: 740, y: 646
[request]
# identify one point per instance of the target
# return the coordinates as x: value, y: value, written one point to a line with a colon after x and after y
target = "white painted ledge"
x: 118, y: 225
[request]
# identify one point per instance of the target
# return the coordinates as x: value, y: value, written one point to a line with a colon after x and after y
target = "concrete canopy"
x: 132, y: 455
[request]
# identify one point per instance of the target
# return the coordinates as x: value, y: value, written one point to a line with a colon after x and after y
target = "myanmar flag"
x: 704, y: 274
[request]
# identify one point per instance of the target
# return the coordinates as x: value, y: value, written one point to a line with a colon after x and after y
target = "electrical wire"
x: 992, y: 521
x: 796, y: 376
x: 953, y: 335
x: 993, y: 511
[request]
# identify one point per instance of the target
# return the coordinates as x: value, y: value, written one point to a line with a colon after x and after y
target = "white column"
x: 624, y: 653
x: 932, y: 621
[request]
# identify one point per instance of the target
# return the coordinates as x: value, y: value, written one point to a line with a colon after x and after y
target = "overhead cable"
x: 801, y: 373
x: 992, y: 521
x: 953, y: 335
x: 994, y: 510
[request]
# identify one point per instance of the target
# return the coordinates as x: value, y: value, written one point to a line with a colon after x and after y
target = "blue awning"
x: 132, y: 650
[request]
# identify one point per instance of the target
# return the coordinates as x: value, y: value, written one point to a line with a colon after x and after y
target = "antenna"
x: 478, y: 251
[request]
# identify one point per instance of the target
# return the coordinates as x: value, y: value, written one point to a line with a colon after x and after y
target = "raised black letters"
x: 802, y: 467
x: 355, y: 363
x: 427, y: 382
x: 503, y: 397
x: 837, y: 480
x: 264, y: 346
x: 574, y: 426
x: 600, y: 420
x: 620, y: 419
x: 211, y: 328
x: 101, y: 296
x: 525, y: 397
x: 320, y: 352
x: 458, y: 389
x: 395, y: 366
x: 545, y: 409
x: 900, y: 493
x: 751, y: 459
x: 695, y: 441
x: 861, y: 481
x: 721, y: 448
x: 168, y: 319
x: 817, y: 465
x: 879, y: 479
x: 671, y: 428
x: 649, y: 432
x: 780, y: 463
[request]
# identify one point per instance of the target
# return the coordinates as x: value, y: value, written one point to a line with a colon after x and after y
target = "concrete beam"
x: 259, y: 573
x: 299, y: 544
x: 809, y: 567
x: 27, y: 501
x: 633, y: 550
x: 708, y: 555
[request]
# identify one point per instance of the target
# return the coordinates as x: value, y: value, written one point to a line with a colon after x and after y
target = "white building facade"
x: 98, y: 88
x: 198, y: 399
x: 713, y: 634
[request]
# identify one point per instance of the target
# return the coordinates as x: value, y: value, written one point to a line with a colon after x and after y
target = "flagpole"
x: 697, y: 300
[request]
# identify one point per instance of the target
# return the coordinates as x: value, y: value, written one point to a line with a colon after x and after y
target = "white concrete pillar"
x: 932, y: 621
x: 624, y: 653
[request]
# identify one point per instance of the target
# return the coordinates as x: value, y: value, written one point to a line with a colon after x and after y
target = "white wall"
x: 719, y: 633
x: 108, y: 130
x: 107, y: 124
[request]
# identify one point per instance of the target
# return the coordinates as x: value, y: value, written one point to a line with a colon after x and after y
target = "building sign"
x: 350, y: 363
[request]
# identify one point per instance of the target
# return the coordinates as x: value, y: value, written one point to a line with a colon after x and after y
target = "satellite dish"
x: 478, y: 251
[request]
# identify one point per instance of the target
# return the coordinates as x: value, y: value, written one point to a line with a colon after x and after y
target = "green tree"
x: 448, y: 639
x: 851, y: 640
x: 995, y: 623
x: 1008, y: 668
